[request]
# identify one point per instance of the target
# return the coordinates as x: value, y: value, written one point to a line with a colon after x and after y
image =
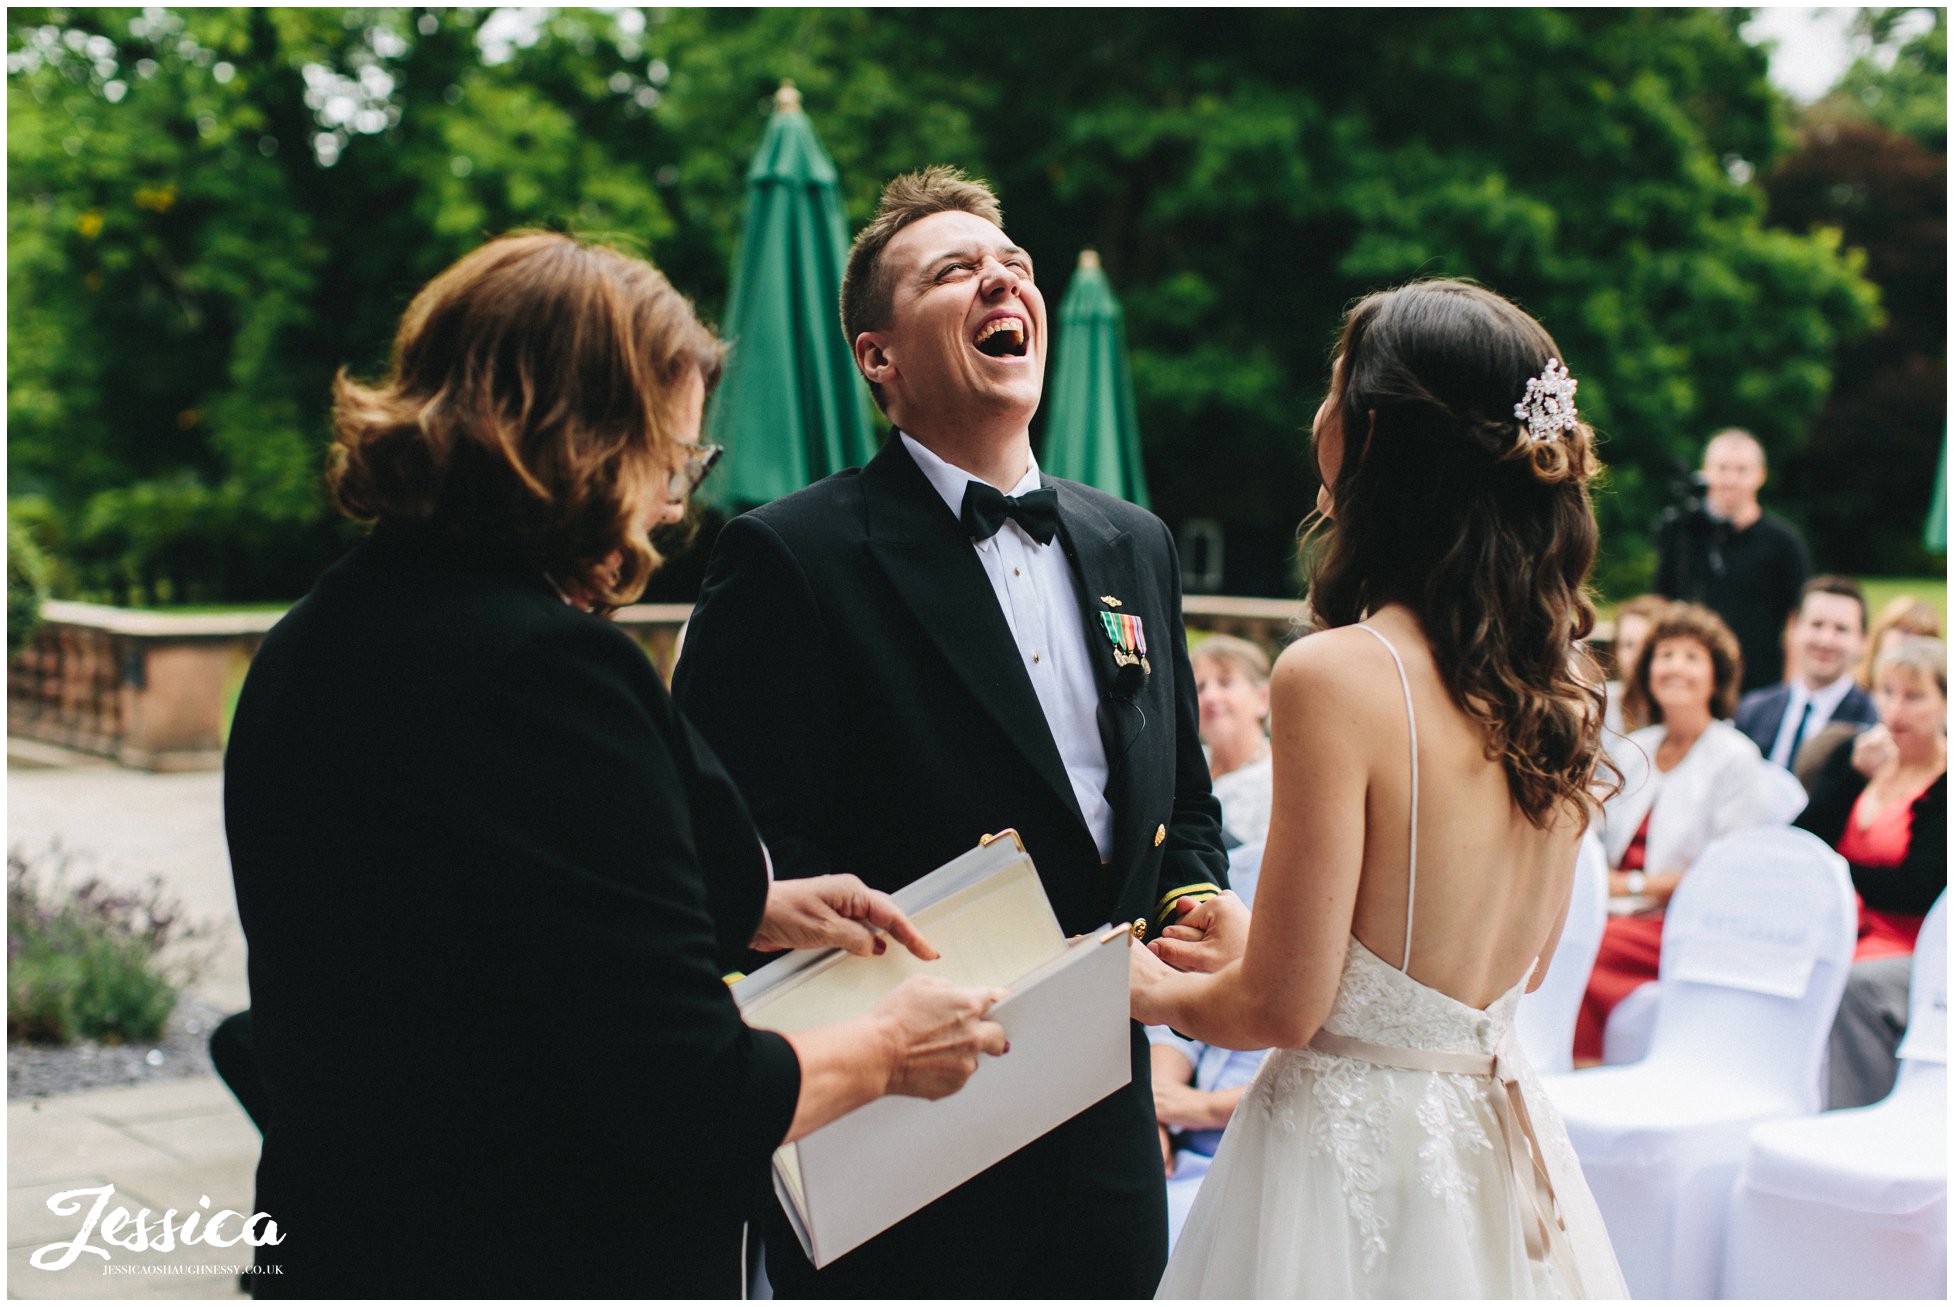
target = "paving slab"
x: 56, y: 1144
x: 127, y: 826
x: 154, y: 1100
x: 31, y: 1222
x: 212, y: 1137
x: 201, y: 1273
x: 168, y: 1144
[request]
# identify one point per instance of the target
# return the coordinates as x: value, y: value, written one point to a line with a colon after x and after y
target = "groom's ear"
x: 872, y: 358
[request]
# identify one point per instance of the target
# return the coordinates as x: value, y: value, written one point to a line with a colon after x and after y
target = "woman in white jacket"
x: 1688, y: 779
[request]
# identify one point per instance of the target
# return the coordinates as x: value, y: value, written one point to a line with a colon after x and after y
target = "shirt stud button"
x: 1036, y: 658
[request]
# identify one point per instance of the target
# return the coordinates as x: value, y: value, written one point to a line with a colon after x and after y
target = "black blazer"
x: 849, y: 661
x: 490, y: 881
x: 1912, y: 886
x: 1760, y: 714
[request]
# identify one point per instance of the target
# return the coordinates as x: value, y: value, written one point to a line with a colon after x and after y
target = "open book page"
x: 991, y: 933
x: 787, y: 1166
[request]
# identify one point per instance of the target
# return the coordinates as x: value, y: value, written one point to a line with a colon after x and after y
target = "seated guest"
x: 1894, y: 880
x: 1627, y: 709
x: 1232, y: 677
x: 1903, y: 615
x: 1197, y: 1086
x: 1881, y: 799
x: 1827, y: 636
x: 1686, y: 780
x: 1862, y: 1056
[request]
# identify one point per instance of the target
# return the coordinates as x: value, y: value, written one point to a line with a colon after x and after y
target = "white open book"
x: 1066, y: 1018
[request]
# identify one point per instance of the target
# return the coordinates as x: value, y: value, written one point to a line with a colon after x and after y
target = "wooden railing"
x: 150, y: 689
x: 1271, y: 623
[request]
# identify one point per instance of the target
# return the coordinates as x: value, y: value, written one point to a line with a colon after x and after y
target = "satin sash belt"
x: 1523, y: 1153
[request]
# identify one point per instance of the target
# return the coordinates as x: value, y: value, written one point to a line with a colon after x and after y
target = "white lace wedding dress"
x: 1408, y: 1152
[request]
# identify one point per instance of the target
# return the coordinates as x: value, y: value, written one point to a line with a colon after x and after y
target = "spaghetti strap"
x: 1411, y: 718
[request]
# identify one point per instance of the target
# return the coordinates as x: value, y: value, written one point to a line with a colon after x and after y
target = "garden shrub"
x: 87, y: 962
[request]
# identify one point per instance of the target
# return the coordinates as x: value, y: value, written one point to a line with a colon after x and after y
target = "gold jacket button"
x: 1159, y: 836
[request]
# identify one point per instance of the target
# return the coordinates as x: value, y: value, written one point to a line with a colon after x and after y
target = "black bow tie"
x: 985, y: 508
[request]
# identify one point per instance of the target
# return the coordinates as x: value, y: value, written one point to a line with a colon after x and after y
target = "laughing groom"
x: 899, y: 660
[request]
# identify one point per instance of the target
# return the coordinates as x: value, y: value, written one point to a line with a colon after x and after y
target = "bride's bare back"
x: 1492, y: 888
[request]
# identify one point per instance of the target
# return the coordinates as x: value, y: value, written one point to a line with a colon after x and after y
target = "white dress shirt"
x: 1824, y: 703
x: 1045, y: 609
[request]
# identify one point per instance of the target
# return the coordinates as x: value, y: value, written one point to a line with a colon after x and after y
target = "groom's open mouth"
x: 1001, y: 337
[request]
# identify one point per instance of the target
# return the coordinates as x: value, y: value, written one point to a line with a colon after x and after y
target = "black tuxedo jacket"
x: 1760, y: 714
x: 470, y: 835
x: 849, y: 661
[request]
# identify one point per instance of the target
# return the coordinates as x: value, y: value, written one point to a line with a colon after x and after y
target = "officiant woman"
x: 489, y: 877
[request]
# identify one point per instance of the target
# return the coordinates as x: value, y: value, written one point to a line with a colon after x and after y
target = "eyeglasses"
x: 698, y: 462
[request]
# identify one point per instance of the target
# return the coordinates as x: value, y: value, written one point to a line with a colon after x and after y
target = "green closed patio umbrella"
x: 790, y: 409
x: 1091, y: 434
x: 1935, y: 535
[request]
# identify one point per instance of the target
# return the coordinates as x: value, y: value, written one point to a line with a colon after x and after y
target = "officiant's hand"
x: 936, y: 1031
x: 835, y: 912
x: 1207, y: 937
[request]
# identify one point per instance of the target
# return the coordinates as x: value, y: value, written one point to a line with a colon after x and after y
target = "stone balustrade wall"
x: 150, y: 690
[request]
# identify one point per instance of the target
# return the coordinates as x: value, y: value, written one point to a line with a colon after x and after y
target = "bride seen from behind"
x: 1435, y: 749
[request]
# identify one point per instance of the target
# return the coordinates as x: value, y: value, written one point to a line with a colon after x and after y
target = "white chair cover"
x: 1925, y: 1042
x: 1784, y: 797
x: 1545, y: 1020
x: 1631, y: 1026
x: 1853, y: 1204
x: 1755, y: 948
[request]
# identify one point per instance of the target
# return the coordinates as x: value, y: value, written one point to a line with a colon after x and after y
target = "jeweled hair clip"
x: 1548, y: 406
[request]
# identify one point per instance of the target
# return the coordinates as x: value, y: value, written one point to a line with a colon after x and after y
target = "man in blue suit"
x: 1827, y: 637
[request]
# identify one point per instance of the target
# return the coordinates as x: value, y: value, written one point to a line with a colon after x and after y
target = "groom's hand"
x: 835, y: 912
x: 1207, y: 937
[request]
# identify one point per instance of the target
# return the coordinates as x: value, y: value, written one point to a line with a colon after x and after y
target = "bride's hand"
x: 1147, y: 977
x: 1207, y: 937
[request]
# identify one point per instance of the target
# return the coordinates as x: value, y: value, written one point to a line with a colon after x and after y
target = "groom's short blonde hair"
x: 867, y: 288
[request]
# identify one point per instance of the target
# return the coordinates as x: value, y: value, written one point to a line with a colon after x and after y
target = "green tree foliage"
x: 1244, y: 173
x: 211, y: 210
x: 1871, y: 164
x: 1248, y: 175
x: 1901, y: 84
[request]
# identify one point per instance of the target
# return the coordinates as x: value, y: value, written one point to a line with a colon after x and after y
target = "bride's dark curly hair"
x: 1444, y: 503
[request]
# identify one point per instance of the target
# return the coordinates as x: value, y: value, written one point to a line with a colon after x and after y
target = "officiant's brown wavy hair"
x: 531, y: 409
x: 1445, y: 504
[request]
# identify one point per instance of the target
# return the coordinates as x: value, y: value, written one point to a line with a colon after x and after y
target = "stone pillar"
x: 173, y: 704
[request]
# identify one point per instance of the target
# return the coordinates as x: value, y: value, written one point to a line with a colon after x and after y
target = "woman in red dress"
x: 1687, y: 779
x: 1880, y: 799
